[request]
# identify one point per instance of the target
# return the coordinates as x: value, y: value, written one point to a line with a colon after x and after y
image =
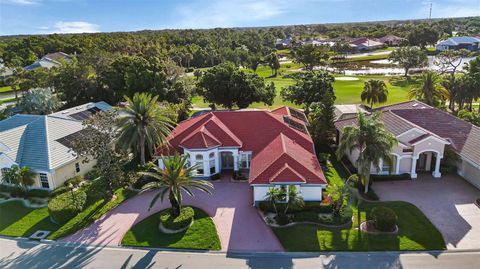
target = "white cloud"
x: 70, y: 27
x: 218, y: 13
x: 21, y: 2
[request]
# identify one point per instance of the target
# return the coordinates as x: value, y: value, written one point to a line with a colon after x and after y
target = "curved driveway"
x: 238, y: 223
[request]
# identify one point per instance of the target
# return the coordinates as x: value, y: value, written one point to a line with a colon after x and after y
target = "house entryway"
x: 226, y: 160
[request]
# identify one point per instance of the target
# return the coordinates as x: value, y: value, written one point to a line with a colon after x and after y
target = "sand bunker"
x: 346, y: 78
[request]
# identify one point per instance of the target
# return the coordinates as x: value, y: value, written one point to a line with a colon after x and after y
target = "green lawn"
x: 5, y: 89
x: 93, y: 212
x: 18, y: 220
x: 416, y: 232
x: 201, y: 235
x: 7, y: 100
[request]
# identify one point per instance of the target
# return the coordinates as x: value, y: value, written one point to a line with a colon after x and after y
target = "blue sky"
x: 73, y: 16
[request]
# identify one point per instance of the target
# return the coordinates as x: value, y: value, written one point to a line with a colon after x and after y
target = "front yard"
x: 416, y: 232
x: 202, y: 234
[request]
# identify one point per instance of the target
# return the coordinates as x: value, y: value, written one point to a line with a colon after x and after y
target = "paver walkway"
x: 448, y: 202
x: 238, y: 223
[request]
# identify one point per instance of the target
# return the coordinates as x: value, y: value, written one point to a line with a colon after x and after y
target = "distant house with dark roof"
x: 283, y: 43
x: 43, y: 143
x: 459, y: 42
x: 269, y: 148
x: 392, y: 40
x: 363, y: 44
x: 424, y: 133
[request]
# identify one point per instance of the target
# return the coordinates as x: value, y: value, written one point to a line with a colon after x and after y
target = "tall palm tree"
x: 143, y: 123
x: 374, y: 91
x: 451, y: 85
x: 174, y: 179
x: 273, y: 196
x: 373, y: 142
x: 21, y: 177
x: 429, y: 90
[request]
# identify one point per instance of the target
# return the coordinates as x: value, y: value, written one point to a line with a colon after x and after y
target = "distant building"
x: 348, y: 111
x: 283, y: 43
x: 363, y: 44
x: 459, y: 42
x: 43, y: 143
x: 392, y: 40
x: 49, y: 60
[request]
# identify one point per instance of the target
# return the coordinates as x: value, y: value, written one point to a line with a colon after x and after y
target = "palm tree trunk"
x: 367, y: 182
x: 175, y: 205
x: 142, y: 148
x: 14, y: 87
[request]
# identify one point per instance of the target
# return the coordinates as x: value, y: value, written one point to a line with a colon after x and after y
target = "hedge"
x: 384, y: 218
x: 311, y: 216
x: 91, y: 175
x: 404, y: 176
x: 180, y: 222
x: 75, y: 181
x: 11, y: 189
x: 318, y: 207
x: 63, y: 207
x: 40, y: 193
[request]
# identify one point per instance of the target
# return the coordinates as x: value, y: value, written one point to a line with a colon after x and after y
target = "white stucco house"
x: 424, y: 134
x: 267, y: 148
x: 43, y: 143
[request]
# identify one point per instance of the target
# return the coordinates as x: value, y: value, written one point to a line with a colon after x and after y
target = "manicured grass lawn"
x: 416, y: 232
x: 6, y: 89
x: 18, y: 220
x: 201, y: 235
x: 93, y: 212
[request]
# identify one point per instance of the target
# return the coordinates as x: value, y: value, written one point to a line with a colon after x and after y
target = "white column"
x: 413, y: 172
x: 397, y: 167
x: 437, y: 173
x: 428, y: 163
x: 235, y: 162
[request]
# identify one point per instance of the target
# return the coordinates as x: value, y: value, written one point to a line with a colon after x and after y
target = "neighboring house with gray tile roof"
x: 38, y: 141
x: 424, y: 132
x: 459, y: 42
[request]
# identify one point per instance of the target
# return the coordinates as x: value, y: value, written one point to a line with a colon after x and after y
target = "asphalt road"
x: 29, y: 254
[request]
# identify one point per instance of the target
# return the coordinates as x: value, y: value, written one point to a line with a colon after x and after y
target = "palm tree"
x: 451, y: 85
x: 143, y: 122
x: 429, y: 90
x: 295, y: 199
x: 21, y: 177
x: 174, y: 179
x: 273, y: 196
x: 374, y: 91
x: 373, y: 142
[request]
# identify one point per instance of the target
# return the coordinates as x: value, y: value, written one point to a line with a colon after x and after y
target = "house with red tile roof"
x: 424, y: 133
x: 268, y: 148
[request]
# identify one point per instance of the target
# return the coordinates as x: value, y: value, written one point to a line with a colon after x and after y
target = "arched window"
x: 211, y: 158
x: 199, y: 163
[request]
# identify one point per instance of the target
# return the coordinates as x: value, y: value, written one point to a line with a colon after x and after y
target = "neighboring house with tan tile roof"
x: 43, y: 143
x: 269, y: 148
x: 424, y: 132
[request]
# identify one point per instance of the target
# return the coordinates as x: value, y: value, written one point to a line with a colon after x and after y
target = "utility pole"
x: 430, y: 15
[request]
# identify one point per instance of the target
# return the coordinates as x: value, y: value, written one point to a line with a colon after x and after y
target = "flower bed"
x: 369, y: 227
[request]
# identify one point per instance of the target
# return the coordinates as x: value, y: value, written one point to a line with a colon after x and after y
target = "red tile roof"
x: 273, y: 143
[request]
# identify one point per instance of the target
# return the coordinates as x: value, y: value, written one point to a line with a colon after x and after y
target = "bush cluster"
x: 64, y: 207
x: 310, y: 216
x: 404, y: 176
x: 318, y: 207
x: 75, y: 181
x: 180, y: 222
x: 384, y: 218
x: 40, y: 193
x: 13, y: 190
x: 91, y: 175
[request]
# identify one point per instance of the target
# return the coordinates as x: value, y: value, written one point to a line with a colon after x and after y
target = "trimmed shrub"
x: 318, y: 207
x: 310, y: 216
x: 384, y: 218
x: 75, y: 181
x: 282, y: 219
x: 215, y: 176
x: 63, y: 207
x: 91, y: 175
x: 40, y: 193
x: 13, y: 190
x: 58, y: 191
x: 404, y: 176
x: 180, y: 222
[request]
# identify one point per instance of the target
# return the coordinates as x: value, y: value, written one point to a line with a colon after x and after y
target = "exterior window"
x: 4, y: 170
x: 44, y: 181
x: 245, y: 159
x: 211, y: 158
x: 77, y: 167
x: 199, y: 163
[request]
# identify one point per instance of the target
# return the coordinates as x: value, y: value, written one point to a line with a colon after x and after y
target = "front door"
x: 227, y: 160
x: 422, y: 162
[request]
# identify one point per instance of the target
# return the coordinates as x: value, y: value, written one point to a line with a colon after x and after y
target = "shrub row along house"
x: 43, y: 142
x: 269, y: 148
x: 425, y: 134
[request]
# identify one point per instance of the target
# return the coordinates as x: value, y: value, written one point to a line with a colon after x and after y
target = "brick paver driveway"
x: 238, y: 223
x: 448, y: 202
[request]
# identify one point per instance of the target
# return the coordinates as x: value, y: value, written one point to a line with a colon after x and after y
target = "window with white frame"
x: 211, y: 158
x: 245, y: 159
x: 200, y: 165
x: 44, y: 181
